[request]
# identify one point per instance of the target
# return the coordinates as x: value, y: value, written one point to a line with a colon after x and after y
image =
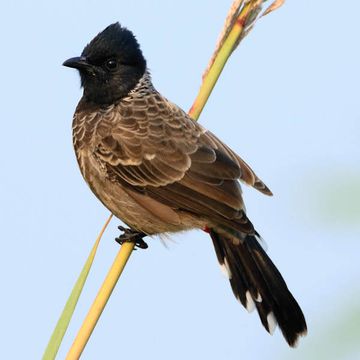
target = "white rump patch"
x: 250, y: 304
x: 271, y: 322
x: 225, y: 269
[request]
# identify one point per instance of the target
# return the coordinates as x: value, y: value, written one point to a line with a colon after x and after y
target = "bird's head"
x: 110, y: 65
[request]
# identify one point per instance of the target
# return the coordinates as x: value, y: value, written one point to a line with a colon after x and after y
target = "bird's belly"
x: 123, y: 206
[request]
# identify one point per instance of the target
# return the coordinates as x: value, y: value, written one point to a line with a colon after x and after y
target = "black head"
x: 110, y: 65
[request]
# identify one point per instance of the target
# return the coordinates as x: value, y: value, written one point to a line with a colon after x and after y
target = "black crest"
x: 115, y: 41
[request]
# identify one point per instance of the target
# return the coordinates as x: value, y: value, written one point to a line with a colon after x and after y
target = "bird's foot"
x: 131, y: 235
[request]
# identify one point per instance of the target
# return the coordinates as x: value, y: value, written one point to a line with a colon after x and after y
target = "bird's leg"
x: 131, y: 235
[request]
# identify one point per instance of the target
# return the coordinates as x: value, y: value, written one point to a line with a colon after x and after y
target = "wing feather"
x: 160, y: 156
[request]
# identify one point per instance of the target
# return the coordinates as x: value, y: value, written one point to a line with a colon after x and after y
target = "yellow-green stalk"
x: 100, y: 301
x: 65, y: 317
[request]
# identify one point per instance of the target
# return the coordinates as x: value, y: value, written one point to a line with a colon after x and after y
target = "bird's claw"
x: 131, y: 235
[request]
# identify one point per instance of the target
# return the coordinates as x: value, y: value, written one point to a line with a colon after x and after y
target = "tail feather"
x: 256, y: 282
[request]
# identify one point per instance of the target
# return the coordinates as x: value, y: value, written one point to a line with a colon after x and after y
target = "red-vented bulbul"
x: 160, y: 172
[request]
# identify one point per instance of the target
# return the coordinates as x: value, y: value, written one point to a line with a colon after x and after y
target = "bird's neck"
x: 143, y: 87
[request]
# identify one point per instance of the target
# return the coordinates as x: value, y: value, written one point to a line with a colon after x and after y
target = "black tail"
x: 256, y: 282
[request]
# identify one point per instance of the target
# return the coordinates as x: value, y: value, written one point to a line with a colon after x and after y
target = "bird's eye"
x: 111, y: 64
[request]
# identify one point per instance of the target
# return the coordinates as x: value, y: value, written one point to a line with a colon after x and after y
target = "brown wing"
x: 155, y: 149
x: 247, y: 174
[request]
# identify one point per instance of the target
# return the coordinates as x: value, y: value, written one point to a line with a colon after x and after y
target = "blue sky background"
x: 287, y: 102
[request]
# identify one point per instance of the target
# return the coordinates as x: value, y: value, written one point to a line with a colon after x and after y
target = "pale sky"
x: 287, y: 102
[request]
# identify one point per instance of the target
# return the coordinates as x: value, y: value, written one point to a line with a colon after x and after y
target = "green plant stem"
x: 218, y: 64
x: 65, y: 317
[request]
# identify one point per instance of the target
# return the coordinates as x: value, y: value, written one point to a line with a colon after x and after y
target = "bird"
x: 160, y: 172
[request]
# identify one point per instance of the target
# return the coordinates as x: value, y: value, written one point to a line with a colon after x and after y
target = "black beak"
x: 77, y: 63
